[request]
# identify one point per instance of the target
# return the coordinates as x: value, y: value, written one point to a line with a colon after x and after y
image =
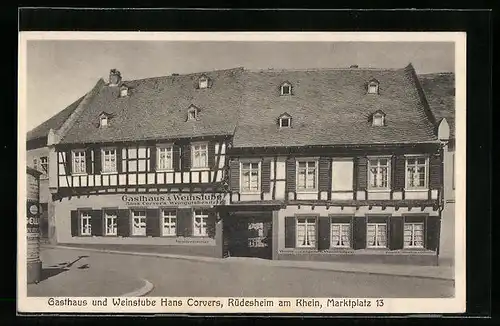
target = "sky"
x: 61, y: 71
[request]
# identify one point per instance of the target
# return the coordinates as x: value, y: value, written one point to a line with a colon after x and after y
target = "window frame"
x: 203, y: 221
x: 195, y: 114
x: 45, y: 170
x: 88, y: 216
x: 306, y: 217
x: 289, y: 122
x: 73, y: 166
x: 332, y: 222
x: 103, y: 156
x: 282, y: 86
x: 426, y: 178
x: 259, y: 176
x: 160, y: 147
x: 170, y: 217
x: 199, y: 168
x: 316, y: 176
x: 377, y: 224
x: 103, y: 121
x: 372, y: 84
x: 203, y: 80
x: 378, y: 116
x: 413, y: 223
x: 389, y: 171
x: 132, y: 222
x: 105, y: 219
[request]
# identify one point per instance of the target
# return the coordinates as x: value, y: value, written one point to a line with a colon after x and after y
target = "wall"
x: 45, y: 196
x: 447, y: 245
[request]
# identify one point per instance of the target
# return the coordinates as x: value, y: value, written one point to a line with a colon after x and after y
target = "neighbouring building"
x: 326, y: 164
x: 440, y: 93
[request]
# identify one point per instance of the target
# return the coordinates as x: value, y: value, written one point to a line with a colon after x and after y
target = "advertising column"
x: 34, y: 265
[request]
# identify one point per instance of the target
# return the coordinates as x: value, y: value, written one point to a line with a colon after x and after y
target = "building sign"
x: 175, y: 199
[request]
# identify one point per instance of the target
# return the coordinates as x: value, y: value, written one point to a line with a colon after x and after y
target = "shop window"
x: 306, y: 232
x: 250, y: 177
x: 169, y: 222
x: 379, y: 173
x: 376, y: 235
x: 340, y: 235
x: 414, y: 235
x: 139, y: 222
x: 85, y: 224
x: 200, y: 223
x: 199, y: 156
x: 165, y: 158
x: 109, y: 160
x: 79, y: 165
x: 416, y: 172
x: 307, y: 175
x: 110, y: 221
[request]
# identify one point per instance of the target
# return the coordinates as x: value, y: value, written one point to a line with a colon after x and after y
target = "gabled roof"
x: 439, y: 89
x: 331, y: 107
x: 55, y: 122
x: 156, y: 109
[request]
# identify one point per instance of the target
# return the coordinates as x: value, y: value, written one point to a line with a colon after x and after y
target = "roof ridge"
x: 322, y: 69
x: 183, y: 75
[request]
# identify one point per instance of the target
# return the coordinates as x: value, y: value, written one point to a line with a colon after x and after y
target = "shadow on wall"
x: 57, y: 269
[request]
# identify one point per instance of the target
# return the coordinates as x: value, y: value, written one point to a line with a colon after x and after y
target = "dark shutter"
x: 152, y: 158
x: 211, y: 155
x: 290, y: 175
x: 397, y: 233
x: 433, y: 226
x: 266, y: 176
x: 75, y: 225
x: 234, y: 171
x: 359, y: 232
x: 289, y: 232
x: 399, y: 172
x: 184, y: 222
x: 88, y: 160
x: 362, y: 173
x: 96, y: 222
x: 97, y: 160
x: 153, y: 222
x: 186, y: 157
x: 435, y: 172
x: 324, y: 174
x: 119, y: 167
x: 123, y: 227
x: 176, y: 157
x: 68, y: 166
x: 211, y: 222
x: 324, y: 233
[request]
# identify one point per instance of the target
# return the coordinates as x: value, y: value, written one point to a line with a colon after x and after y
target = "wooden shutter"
x: 123, y: 227
x: 88, y: 160
x: 69, y: 163
x: 324, y: 233
x: 176, y: 157
x: 97, y: 161
x: 266, y: 176
x: 432, y: 231
x: 152, y: 158
x: 184, y: 222
x: 119, y: 167
x: 96, y: 222
x: 362, y: 173
x: 397, y: 233
x: 324, y: 174
x: 290, y: 232
x: 234, y: 170
x: 290, y: 174
x: 435, y: 172
x: 399, y: 172
x: 153, y: 222
x: 186, y: 157
x: 211, y: 155
x: 75, y: 225
x: 211, y: 223
x: 359, y: 232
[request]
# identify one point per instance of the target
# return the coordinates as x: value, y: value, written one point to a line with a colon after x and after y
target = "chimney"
x: 354, y: 66
x: 175, y: 74
x: 115, y: 77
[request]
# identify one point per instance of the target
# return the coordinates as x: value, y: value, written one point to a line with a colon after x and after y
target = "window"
x: 44, y: 163
x: 104, y: 121
x: 35, y: 164
x: 373, y: 88
x: 250, y: 174
x: 109, y: 160
x: 376, y: 235
x: 123, y: 91
x: 286, y: 89
x: 203, y: 82
x: 79, y: 162
x: 165, y: 158
x: 200, y: 223
x: 378, y: 120
x: 192, y: 114
x: 306, y: 232
x: 110, y: 223
x: 199, y: 156
x: 284, y: 122
x: 85, y: 225
x: 416, y: 172
x: 378, y: 173
x: 306, y: 175
x: 168, y: 223
x: 414, y: 235
x: 341, y: 235
x: 139, y: 222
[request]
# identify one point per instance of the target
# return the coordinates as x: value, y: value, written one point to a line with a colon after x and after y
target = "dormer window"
x: 286, y: 88
x: 192, y: 113
x: 378, y: 119
x: 373, y: 86
x: 203, y: 82
x: 285, y: 120
x: 123, y: 91
x: 104, y: 119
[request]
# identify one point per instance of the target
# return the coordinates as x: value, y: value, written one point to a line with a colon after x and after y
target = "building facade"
x: 330, y: 164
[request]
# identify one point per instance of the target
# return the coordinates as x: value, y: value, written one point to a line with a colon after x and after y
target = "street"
x: 177, y: 277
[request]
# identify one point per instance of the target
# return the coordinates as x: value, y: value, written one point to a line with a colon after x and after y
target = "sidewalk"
x: 432, y: 272
x: 70, y: 275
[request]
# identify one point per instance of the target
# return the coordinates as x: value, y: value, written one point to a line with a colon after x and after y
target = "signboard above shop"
x: 205, y: 199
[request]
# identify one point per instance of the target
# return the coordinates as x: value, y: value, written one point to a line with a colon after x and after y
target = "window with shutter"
x: 168, y: 222
x: 250, y: 177
x: 306, y: 232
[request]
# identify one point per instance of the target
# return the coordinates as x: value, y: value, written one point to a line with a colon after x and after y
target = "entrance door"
x: 249, y: 236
